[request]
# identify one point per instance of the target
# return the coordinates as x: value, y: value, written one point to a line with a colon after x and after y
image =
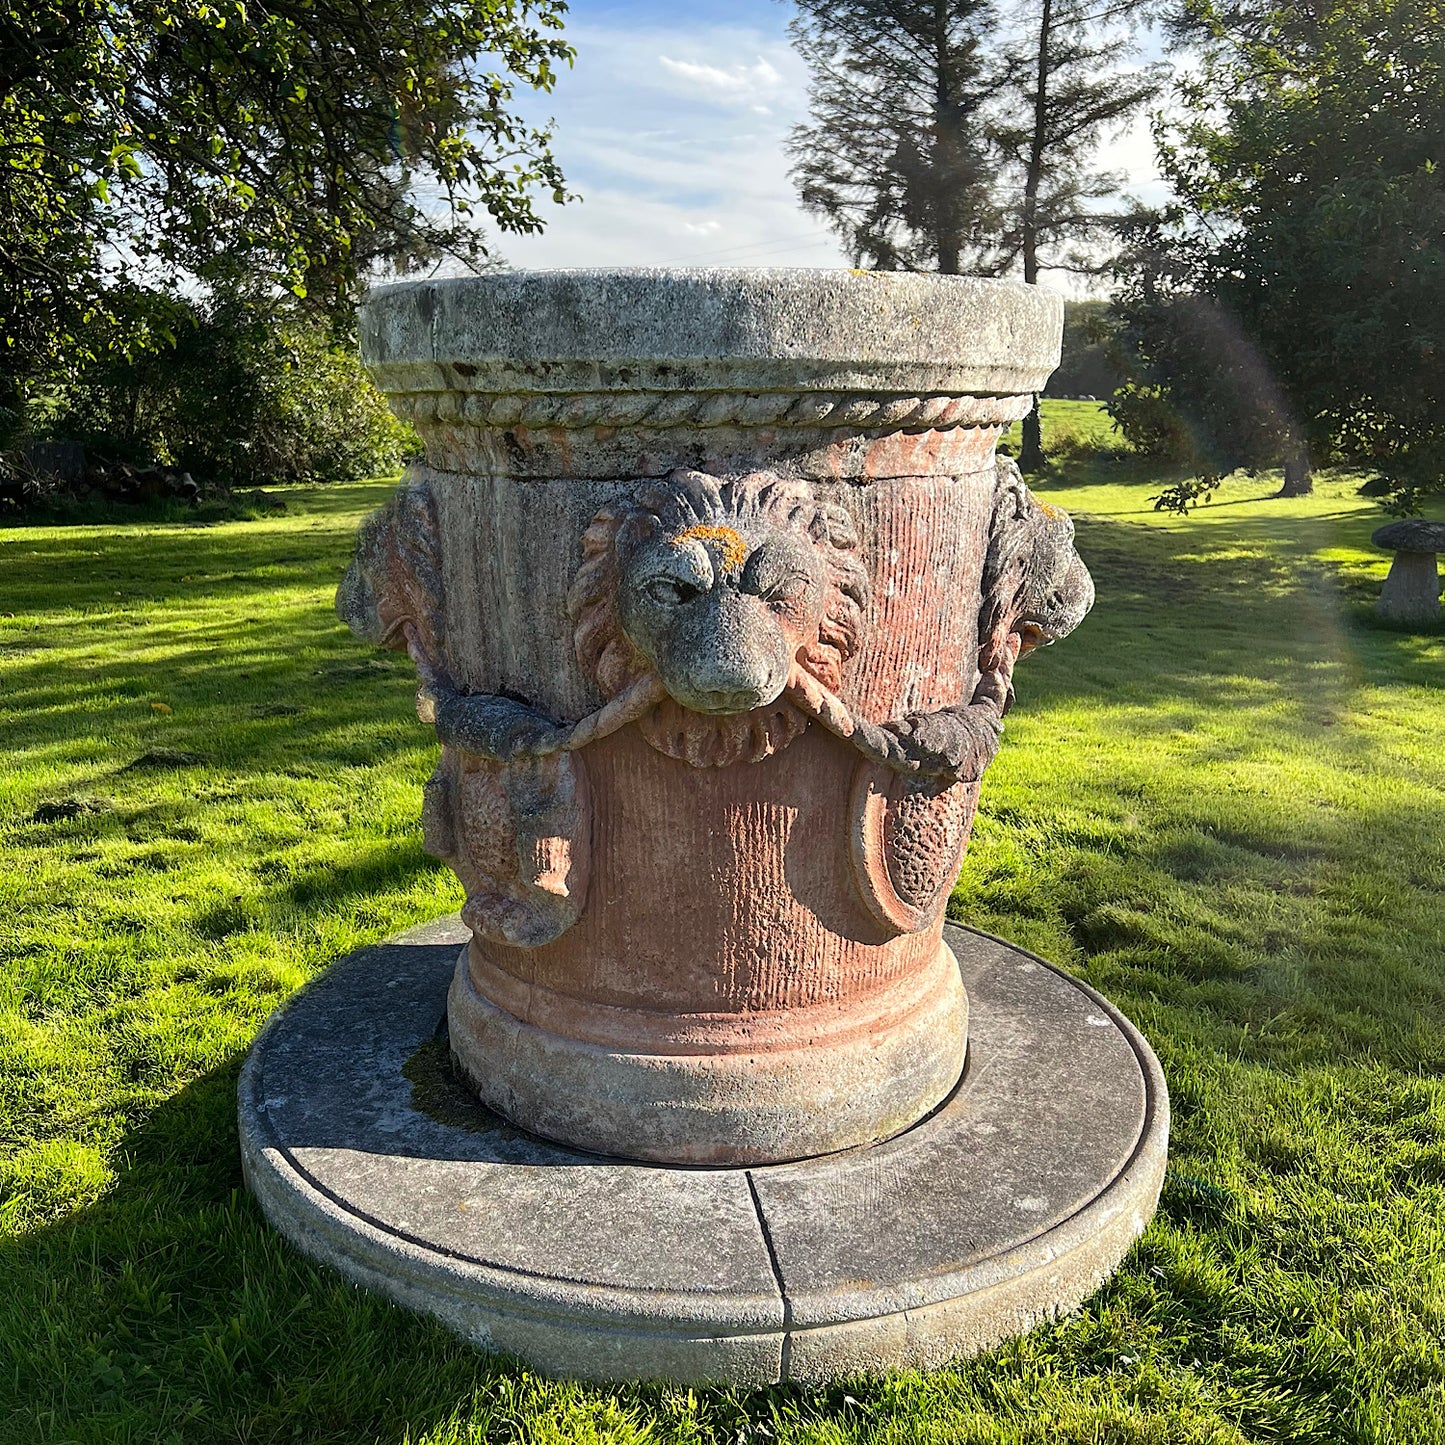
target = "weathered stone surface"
x: 967, y: 1228
x: 780, y: 331
x: 715, y: 593
x: 517, y: 1244
x: 1008, y: 1205
x: 1411, y: 534
x: 604, y: 374
x: 1411, y: 593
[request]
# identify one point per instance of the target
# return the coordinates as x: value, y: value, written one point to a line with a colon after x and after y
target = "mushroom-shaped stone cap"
x: 1413, y: 534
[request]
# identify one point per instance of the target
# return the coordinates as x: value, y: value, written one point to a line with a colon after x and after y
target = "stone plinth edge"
x: 1006, y: 1207
x: 632, y: 372
x: 816, y: 1097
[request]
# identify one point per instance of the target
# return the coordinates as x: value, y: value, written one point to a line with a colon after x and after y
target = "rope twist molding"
x: 579, y: 411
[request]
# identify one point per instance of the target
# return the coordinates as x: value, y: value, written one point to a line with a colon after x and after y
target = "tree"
x: 898, y: 155
x: 244, y: 396
x: 1068, y: 93
x: 1087, y: 366
x: 1198, y: 389
x: 949, y: 136
x: 1305, y: 254
x: 285, y: 148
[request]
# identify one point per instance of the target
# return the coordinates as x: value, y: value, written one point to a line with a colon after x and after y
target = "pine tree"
x: 948, y: 136
x: 898, y: 156
x: 1066, y: 93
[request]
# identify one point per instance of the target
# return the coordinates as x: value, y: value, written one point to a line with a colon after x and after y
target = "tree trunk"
x: 1034, y: 176
x: 132, y: 411
x: 1031, y: 456
x: 946, y: 241
x: 12, y: 408
x: 1031, y: 453
x: 1299, y: 478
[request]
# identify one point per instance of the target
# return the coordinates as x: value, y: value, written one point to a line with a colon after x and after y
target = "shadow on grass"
x: 149, y: 560
x: 1240, y: 604
x: 1250, y: 851
x: 170, y: 1310
x: 289, y: 684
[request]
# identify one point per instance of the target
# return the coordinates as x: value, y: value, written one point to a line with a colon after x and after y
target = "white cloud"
x: 674, y: 136
x: 1132, y: 153
x: 745, y: 85
x: 675, y: 140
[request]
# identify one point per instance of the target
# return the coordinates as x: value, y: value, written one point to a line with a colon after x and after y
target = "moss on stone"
x: 439, y: 1094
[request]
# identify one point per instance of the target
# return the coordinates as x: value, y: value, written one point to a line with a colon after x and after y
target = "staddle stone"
x: 1411, y: 593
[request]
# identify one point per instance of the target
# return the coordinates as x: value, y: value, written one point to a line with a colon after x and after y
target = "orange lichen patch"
x: 1049, y: 510
x: 730, y: 545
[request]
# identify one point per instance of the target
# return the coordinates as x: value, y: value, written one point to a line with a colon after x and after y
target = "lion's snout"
x: 736, y: 661
x: 719, y: 652
x: 728, y: 694
x: 726, y: 703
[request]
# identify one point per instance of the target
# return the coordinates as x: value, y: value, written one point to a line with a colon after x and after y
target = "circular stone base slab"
x: 1010, y: 1204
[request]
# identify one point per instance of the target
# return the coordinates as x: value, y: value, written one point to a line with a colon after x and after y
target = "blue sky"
x: 671, y: 128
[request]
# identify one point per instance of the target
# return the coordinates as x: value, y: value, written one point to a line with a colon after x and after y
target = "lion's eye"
x: 787, y: 589
x: 670, y: 591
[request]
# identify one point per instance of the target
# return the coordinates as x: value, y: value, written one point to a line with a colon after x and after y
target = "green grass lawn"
x: 1077, y: 427
x: 1222, y: 802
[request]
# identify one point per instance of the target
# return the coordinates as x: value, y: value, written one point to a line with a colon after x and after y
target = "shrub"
x: 1185, y: 494
x: 244, y: 395
x: 1151, y: 424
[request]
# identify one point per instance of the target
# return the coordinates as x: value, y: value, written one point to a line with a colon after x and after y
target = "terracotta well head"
x: 715, y: 586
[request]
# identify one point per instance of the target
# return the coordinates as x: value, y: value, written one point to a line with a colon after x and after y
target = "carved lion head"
x: 1035, y: 584
x: 719, y: 588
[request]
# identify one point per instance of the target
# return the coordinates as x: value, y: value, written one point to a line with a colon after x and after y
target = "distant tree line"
x: 242, y: 395
x: 1090, y: 364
